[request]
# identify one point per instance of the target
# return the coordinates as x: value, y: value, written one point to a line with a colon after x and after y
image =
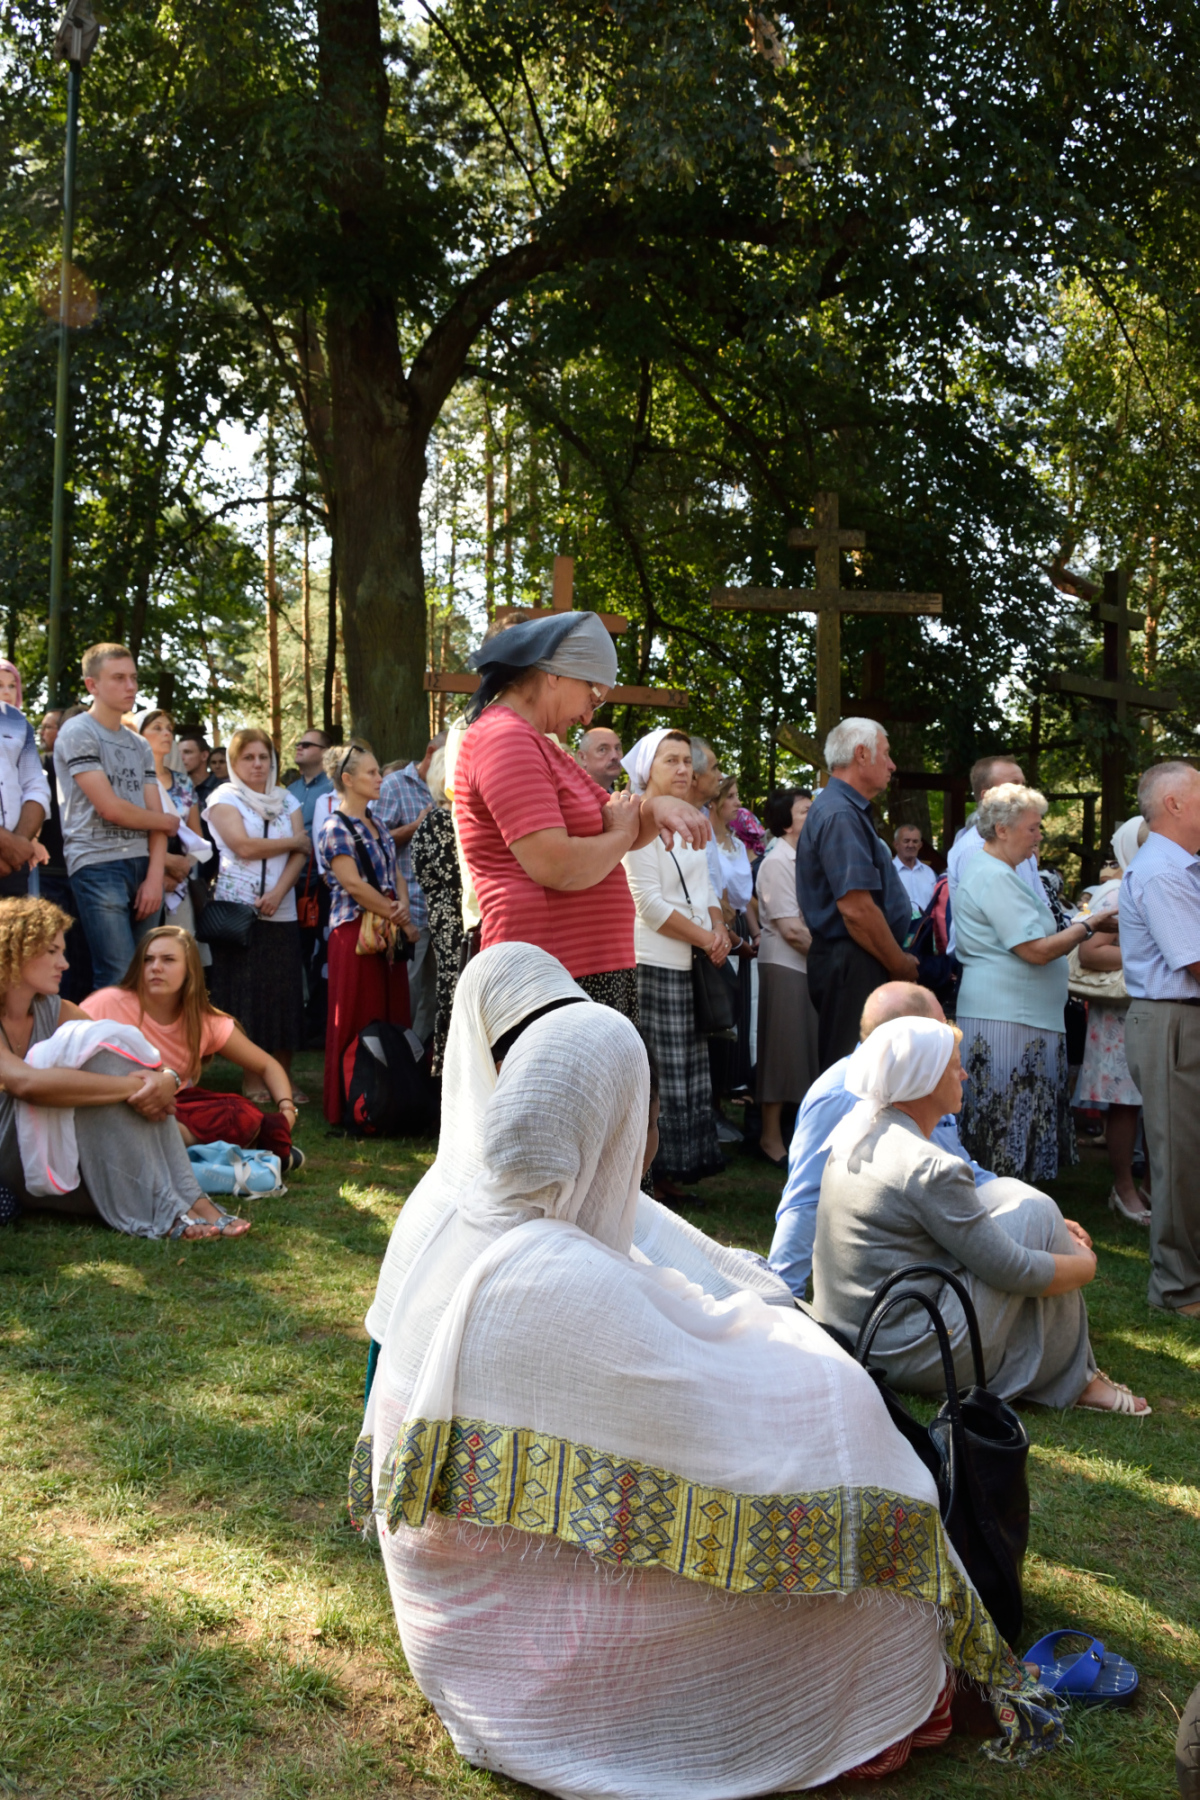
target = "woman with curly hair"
x: 135, y: 1170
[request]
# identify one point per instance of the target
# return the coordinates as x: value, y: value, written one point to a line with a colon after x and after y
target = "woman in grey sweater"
x: 890, y: 1196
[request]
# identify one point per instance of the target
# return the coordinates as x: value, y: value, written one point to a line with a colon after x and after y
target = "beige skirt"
x: 787, y: 1036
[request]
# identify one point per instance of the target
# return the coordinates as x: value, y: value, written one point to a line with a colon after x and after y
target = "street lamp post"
x: 74, y: 42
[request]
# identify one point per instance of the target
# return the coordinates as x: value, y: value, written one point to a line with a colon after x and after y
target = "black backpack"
x: 389, y: 1090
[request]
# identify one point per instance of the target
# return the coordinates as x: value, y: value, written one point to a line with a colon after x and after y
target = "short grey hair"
x: 701, y: 750
x: 1157, y: 783
x: 1004, y: 805
x: 847, y: 737
x: 907, y: 826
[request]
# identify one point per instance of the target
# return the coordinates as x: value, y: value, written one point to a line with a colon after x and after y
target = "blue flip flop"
x: 1091, y: 1677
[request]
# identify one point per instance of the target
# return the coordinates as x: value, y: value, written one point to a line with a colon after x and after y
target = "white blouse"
x: 657, y: 878
x: 238, y: 880
x: 777, y: 900
x: 730, y: 872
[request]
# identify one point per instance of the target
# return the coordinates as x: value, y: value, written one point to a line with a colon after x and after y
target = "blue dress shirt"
x: 840, y: 852
x: 1160, y: 921
x: 825, y: 1105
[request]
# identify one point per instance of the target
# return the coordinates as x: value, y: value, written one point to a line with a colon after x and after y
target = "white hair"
x: 1003, y: 805
x: 700, y: 750
x: 907, y: 826
x: 1156, y: 784
x: 847, y: 736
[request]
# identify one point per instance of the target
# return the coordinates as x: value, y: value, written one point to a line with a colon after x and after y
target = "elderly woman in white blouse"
x: 676, y: 912
x: 787, y: 1018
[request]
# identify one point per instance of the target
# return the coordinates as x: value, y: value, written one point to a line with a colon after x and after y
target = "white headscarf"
x: 497, y: 989
x: 268, y: 806
x: 636, y: 763
x: 1125, y: 848
x: 902, y: 1060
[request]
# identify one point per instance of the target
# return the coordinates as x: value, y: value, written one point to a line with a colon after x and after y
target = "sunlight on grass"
x: 188, y: 1615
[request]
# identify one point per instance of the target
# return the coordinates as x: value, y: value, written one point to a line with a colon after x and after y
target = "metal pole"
x: 58, y: 528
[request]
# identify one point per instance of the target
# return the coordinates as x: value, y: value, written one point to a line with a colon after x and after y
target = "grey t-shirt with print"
x: 84, y: 744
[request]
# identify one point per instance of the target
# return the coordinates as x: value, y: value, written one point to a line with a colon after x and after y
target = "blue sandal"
x: 1092, y: 1677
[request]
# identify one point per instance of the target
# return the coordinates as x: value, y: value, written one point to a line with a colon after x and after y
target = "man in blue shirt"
x: 825, y: 1105
x: 848, y: 891
x: 404, y: 799
x: 1160, y: 952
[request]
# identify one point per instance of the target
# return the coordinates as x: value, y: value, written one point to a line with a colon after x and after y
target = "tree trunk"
x: 331, y: 644
x: 379, y: 430
x: 275, y: 697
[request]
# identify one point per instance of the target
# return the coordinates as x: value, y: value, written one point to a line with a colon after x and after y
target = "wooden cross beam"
x: 561, y: 597
x: 829, y: 600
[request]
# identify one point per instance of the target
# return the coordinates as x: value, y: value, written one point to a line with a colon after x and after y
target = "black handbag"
x: 715, y: 997
x: 232, y: 921
x: 976, y: 1448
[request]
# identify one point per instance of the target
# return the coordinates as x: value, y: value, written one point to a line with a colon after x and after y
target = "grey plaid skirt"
x: 687, y: 1129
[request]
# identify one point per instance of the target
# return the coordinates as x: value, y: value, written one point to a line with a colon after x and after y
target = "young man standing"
x: 195, y: 754
x: 114, y: 828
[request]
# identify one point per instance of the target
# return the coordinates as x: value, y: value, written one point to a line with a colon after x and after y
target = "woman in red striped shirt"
x: 542, y: 840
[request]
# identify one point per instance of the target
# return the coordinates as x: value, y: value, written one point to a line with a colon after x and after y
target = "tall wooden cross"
x: 829, y: 600
x: 1115, y: 692
x: 561, y: 596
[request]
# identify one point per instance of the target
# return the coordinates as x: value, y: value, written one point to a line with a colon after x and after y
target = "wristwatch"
x: 1088, y: 930
x: 178, y: 1078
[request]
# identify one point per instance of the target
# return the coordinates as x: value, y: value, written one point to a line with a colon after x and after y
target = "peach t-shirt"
x: 169, y: 1040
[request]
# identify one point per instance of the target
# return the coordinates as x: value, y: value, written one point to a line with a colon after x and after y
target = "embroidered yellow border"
x: 631, y: 1515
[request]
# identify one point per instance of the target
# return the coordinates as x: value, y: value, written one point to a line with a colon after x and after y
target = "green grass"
x: 186, y: 1611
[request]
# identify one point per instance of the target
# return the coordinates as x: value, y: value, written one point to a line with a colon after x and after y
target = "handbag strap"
x: 875, y: 1319
x: 683, y: 884
x: 964, y: 1299
x: 362, y: 855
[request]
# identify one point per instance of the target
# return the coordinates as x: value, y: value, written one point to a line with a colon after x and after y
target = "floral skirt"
x: 1104, y: 1078
x: 1016, y: 1117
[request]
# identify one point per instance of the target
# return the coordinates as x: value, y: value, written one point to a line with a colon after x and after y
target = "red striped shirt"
x: 511, y: 781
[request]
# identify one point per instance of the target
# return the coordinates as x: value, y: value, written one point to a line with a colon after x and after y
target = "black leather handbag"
x: 976, y: 1448
x: 231, y: 921
x: 715, y: 997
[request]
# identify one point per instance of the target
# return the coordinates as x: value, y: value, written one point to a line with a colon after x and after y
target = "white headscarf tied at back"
x: 268, y: 806
x: 636, y: 763
x: 902, y: 1060
x: 497, y: 989
x: 1125, y: 848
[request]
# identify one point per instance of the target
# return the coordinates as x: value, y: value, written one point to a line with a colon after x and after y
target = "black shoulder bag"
x: 232, y: 921
x: 976, y: 1448
x: 715, y: 997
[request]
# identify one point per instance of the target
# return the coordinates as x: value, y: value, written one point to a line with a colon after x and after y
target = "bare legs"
x: 1120, y: 1134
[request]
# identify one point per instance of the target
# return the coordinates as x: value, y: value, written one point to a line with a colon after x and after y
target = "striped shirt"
x: 1160, y: 921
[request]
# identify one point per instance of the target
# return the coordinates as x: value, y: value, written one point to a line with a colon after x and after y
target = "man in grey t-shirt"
x: 114, y: 827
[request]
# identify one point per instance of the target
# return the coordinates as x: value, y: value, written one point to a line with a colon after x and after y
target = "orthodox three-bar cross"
x: 561, y: 597
x: 829, y: 600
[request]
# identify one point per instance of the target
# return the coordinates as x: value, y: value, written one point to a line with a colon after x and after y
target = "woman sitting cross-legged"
x: 581, y: 1542
x: 163, y: 994
x: 133, y: 1168
x: 890, y: 1196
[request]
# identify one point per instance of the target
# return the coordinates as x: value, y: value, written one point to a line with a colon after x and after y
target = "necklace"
x: 8, y: 1040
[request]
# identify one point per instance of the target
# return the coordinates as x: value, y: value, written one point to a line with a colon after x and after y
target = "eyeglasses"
x: 307, y: 744
x: 598, y: 691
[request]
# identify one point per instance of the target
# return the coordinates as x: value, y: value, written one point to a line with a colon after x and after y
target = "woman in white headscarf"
x: 582, y: 1543
x: 542, y: 842
x: 502, y: 991
x: 890, y: 1196
x: 1104, y: 1079
x: 259, y: 833
x: 678, y: 913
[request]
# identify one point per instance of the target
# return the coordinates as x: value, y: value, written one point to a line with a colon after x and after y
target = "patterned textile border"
x: 629, y: 1514
x: 634, y: 1516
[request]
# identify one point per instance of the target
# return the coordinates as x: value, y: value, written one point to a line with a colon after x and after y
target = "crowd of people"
x: 599, y: 975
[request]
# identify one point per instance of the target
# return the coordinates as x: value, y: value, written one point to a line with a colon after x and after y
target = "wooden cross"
x: 561, y: 597
x: 1115, y: 692
x: 829, y: 600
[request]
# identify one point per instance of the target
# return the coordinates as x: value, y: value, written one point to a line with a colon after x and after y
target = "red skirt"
x: 232, y: 1119
x: 361, y: 989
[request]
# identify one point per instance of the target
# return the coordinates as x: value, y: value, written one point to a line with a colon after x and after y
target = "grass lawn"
x: 186, y: 1611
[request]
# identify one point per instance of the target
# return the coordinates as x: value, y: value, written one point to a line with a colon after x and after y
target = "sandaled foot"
x: 300, y: 1097
x: 192, y: 1227
x: 259, y: 1097
x: 1133, y: 1215
x: 1103, y: 1394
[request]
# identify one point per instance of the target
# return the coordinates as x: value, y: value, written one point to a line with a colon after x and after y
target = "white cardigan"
x: 657, y: 886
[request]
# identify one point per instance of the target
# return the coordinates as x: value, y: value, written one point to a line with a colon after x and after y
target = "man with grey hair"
x: 599, y: 752
x: 848, y: 891
x: 706, y: 776
x: 1160, y: 952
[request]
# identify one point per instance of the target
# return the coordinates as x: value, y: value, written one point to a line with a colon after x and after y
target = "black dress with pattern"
x: 435, y: 865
